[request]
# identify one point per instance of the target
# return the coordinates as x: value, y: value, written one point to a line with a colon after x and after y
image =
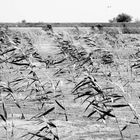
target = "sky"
x: 66, y: 10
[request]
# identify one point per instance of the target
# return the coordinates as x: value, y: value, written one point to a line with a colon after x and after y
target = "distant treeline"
x: 40, y: 24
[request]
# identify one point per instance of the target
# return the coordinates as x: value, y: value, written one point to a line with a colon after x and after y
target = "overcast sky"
x: 66, y: 10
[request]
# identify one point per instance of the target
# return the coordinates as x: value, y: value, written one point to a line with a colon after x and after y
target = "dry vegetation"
x: 69, y: 84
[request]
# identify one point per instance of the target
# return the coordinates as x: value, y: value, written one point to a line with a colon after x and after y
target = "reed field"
x: 70, y: 83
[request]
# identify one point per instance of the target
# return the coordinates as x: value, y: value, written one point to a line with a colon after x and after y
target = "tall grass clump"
x: 87, y: 66
x: 20, y: 79
x: 103, y: 101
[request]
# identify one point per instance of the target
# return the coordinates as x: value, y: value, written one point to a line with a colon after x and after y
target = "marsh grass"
x: 89, y: 62
x: 17, y: 55
x: 99, y: 100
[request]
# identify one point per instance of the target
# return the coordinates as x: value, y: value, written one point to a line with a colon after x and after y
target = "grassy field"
x: 69, y: 83
x: 65, y: 24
